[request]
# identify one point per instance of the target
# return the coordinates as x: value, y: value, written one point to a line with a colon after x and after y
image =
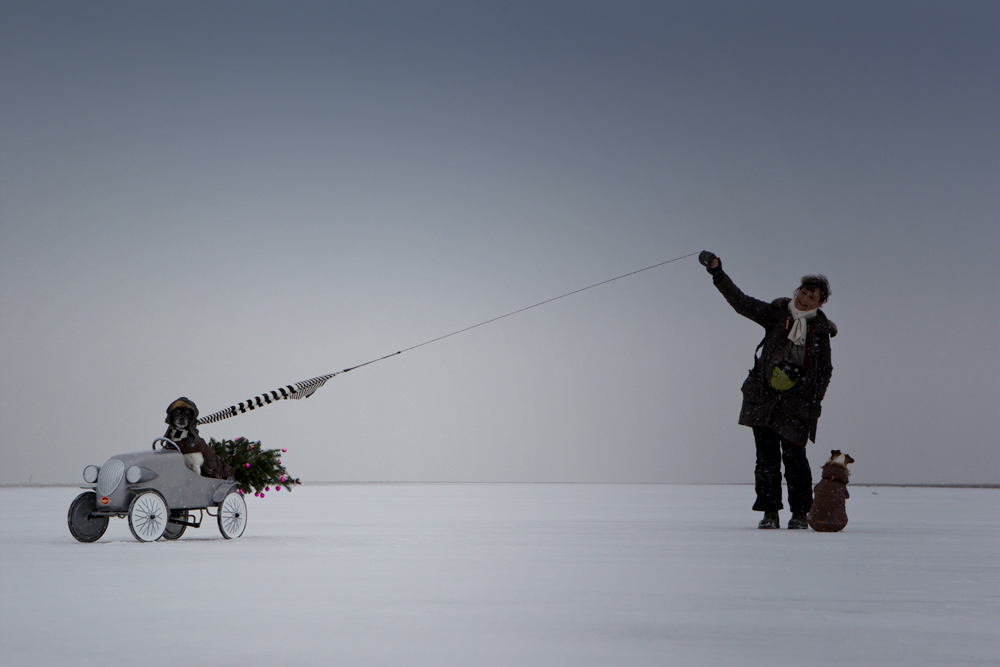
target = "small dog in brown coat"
x: 829, y: 508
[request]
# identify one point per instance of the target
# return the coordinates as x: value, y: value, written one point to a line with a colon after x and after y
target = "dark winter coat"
x: 792, y: 414
x: 829, y: 508
x: 191, y: 443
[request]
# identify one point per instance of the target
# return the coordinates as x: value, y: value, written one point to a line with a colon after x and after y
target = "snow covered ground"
x: 509, y: 574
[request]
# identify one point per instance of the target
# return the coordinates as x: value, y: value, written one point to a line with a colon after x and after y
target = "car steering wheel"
x: 165, y: 444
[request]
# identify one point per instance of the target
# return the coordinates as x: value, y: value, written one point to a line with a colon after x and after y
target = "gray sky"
x: 216, y: 199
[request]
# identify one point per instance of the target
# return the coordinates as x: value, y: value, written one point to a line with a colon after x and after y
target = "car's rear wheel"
x: 82, y: 525
x: 147, y: 516
x: 173, y: 531
x: 232, y: 515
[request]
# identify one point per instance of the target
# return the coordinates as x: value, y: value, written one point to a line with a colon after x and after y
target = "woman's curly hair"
x: 818, y: 281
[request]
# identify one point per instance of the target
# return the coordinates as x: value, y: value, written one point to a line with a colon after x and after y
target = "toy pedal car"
x: 158, y: 493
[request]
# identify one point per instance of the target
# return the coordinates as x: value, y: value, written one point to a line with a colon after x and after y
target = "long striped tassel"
x: 303, y: 389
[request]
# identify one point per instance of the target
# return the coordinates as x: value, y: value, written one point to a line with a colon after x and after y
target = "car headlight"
x: 136, y: 474
x: 90, y: 474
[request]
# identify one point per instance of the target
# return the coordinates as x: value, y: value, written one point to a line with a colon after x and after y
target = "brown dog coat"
x: 829, y: 508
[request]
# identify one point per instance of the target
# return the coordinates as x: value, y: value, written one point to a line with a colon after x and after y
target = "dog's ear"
x: 834, y: 453
x: 848, y: 459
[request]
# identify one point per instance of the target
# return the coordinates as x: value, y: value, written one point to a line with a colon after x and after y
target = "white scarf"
x: 799, y: 326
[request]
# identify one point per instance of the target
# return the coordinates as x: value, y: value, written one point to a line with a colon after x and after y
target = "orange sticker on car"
x: 105, y: 500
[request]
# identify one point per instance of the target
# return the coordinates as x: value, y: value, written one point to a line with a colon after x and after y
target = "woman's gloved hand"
x: 711, y: 262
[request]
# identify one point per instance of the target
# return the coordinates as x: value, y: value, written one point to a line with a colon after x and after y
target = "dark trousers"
x: 772, y: 450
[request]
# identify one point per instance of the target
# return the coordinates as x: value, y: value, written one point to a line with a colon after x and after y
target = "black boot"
x: 798, y: 522
x: 770, y: 520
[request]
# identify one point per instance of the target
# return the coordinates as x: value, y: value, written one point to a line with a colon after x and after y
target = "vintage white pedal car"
x: 158, y: 493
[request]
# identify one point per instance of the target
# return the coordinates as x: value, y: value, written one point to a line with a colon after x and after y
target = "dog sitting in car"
x: 182, y: 418
x: 829, y: 508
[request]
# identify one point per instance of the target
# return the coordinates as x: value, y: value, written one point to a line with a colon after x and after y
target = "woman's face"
x: 808, y: 299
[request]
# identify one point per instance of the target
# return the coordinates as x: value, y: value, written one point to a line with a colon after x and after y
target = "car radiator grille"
x: 110, y: 477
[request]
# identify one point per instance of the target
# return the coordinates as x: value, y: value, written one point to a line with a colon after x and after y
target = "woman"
x: 783, y: 393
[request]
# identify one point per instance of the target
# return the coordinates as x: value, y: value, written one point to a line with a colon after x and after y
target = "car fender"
x: 222, y: 491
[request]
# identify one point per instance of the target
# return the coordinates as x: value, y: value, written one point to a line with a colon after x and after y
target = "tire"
x: 82, y: 526
x: 147, y: 516
x: 173, y: 531
x: 232, y: 515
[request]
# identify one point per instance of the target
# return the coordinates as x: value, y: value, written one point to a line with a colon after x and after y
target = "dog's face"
x: 181, y: 418
x: 837, y: 457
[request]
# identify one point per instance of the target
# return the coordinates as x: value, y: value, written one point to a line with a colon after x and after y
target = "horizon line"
x: 28, y: 485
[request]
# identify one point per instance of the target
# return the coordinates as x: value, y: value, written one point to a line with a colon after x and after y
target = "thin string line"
x: 306, y: 388
x: 541, y: 303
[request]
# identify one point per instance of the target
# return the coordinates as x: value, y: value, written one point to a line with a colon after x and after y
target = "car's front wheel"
x: 82, y: 525
x: 147, y: 516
